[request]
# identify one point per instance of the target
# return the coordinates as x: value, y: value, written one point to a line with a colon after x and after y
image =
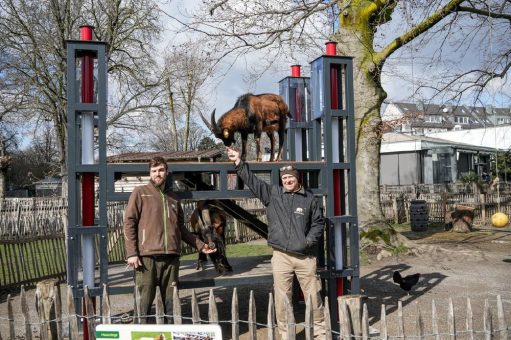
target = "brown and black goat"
x: 253, y: 114
x: 209, y: 222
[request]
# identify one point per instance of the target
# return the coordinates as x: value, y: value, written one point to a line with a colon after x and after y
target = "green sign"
x: 107, y: 335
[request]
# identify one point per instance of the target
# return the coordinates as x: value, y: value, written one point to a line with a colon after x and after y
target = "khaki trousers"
x: 284, y: 265
x: 159, y: 270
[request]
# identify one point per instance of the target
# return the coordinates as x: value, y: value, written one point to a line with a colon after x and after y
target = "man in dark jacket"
x: 153, y: 230
x: 295, y: 225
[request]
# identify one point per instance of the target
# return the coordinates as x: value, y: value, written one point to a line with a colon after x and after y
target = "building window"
x: 433, y: 119
x: 461, y: 120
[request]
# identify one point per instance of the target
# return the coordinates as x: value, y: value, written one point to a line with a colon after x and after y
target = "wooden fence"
x: 353, y: 315
x: 33, y: 242
x: 396, y: 207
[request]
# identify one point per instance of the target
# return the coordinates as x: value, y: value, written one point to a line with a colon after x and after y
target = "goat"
x: 208, y: 222
x: 253, y: 114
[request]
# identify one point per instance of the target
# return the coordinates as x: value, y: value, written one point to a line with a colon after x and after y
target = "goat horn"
x: 214, y: 127
x: 205, y: 121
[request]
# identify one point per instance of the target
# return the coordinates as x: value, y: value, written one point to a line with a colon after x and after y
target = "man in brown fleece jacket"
x: 153, y: 230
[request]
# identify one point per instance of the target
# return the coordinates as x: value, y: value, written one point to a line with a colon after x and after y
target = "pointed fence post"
x: 48, y: 308
x: 235, y: 317
x: 383, y: 323
x: 71, y: 314
x: 160, y: 314
x: 401, y: 324
x: 365, y: 323
x: 195, y: 309
x: 434, y: 320
x: 212, y: 310
x: 502, y: 321
x: 309, y: 319
x: 176, y: 307
x: 488, y: 330
x: 451, y: 321
x: 252, y: 325
x: 10, y: 317
x: 470, y: 320
x: 328, y: 320
x: 271, y: 318
x: 91, y: 318
x: 419, y: 323
x: 344, y: 320
x: 290, y: 320
x: 24, y: 311
x: 105, y: 307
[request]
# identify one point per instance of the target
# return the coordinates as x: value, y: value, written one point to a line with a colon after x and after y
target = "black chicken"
x: 407, y: 282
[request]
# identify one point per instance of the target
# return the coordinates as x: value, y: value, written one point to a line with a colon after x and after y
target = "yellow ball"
x: 499, y: 220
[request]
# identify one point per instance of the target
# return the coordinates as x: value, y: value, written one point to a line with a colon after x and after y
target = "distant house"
x: 412, y: 159
x: 423, y: 119
x: 50, y: 186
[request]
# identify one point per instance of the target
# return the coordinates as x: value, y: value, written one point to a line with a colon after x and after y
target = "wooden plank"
x: 451, y: 321
x: 212, y: 308
x: 106, y: 317
x: 71, y: 314
x: 25, y: 313
x: 176, y: 307
x: 488, y: 330
x: 252, y: 325
x: 434, y: 320
x: 470, y: 320
x: 328, y: 320
x: 10, y: 317
x: 309, y: 319
x: 160, y: 314
x: 383, y: 323
x: 502, y: 321
x: 235, y: 317
x: 195, y: 309
x: 271, y: 318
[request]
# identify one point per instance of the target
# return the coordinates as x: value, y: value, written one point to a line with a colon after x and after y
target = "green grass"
x: 239, y: 250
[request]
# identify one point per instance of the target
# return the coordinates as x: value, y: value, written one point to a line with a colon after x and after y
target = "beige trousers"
x: 284, y: 265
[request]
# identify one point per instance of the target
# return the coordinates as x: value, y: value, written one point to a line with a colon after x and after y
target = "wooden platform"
x: 246, y: 270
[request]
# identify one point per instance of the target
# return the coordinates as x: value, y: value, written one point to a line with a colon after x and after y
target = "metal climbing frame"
x: 320, y: 144
x: 323, y: 129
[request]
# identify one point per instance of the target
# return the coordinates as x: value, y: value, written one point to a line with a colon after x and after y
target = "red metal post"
x: 295, y: 70
x: 87, y: 96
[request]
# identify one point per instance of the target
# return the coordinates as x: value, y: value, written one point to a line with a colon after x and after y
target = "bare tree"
x: 187, y: 76
x: 373, y: 32
x: 34, y: 35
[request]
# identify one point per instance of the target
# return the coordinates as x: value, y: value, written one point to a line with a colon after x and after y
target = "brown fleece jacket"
x: 154, y: 223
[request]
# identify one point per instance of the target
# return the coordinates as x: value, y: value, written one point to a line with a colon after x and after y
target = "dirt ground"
x: 476, y: 265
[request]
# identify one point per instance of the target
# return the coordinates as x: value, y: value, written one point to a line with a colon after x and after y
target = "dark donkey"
x: 208, y: 222
x: 253, y: 114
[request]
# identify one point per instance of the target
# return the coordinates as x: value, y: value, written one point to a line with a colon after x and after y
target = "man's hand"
x: 134, y: 262
x: 207, y: 250
x: 233, y: 155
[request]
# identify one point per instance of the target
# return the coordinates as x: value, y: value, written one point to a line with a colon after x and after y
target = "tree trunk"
x: 369, y: 96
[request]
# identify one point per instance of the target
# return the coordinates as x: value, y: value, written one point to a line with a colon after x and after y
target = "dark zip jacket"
x: 154, y: 223
x: 295, y: 219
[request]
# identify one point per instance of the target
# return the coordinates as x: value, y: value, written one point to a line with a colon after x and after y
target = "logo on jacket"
x: 300, y: 211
